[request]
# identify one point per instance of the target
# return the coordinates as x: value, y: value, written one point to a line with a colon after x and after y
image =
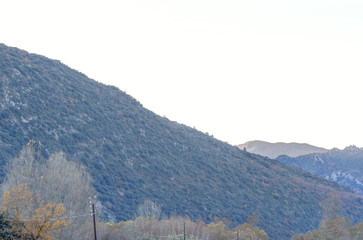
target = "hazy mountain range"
x: 134, y: 154
x: 273, y: 150
x: 342, y: 166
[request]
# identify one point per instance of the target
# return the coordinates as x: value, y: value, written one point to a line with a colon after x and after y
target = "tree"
x: 16, y: 202
x: 253, y: 220
x: 145, y: 228
x: 32, y: 217
x: 335, y: 228
x: 56, y: 180
x: 7, y: 229
x: 149, y: 209
x: 250, y: 231
x: 22, y: 169
x: 357, y: 231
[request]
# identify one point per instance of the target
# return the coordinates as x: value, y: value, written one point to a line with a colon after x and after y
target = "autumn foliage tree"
x: 219, y: 230
x: 53, y: 180
x: 33, y: 218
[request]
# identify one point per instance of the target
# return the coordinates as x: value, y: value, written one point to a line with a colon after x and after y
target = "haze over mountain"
x: 273, y: 150
x: 342, y: 166
x: 134, y: 154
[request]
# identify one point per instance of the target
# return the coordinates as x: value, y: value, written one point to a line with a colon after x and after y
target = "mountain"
x: 134, y: 154
x: 273, y: 150
x: 342, y: 166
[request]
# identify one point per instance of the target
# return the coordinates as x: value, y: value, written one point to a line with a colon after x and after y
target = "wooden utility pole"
x: 238, y: 232
x: 94, y: 220
x: 185, y: 236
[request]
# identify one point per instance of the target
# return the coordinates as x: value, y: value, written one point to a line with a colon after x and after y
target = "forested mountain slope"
x: 134, y: 154
x: 342, y: 166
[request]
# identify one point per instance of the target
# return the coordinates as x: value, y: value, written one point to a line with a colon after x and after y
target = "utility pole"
x: 92, y: 209
x: 94, y: 220
x: 238, y: 231
x: 185, y: 236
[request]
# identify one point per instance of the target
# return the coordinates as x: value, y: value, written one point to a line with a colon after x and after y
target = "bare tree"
x: 69, y: 183
x: 56, y: 180
x: 149, y: 209
x: 20, y: 170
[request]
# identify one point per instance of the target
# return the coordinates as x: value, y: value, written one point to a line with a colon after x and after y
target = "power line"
x: 160, y: 236
x: 34, y: 219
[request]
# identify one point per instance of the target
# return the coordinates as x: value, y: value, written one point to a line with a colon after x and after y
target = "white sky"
x: 281, y: 70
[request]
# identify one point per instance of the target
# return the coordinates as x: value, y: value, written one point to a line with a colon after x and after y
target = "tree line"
x: 49, y: 199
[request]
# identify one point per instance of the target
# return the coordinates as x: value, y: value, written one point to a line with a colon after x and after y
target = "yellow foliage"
x: 17, y: 200
x: 217, y: 231
x: 39, y: 222
x: 47, y: 218
x: 30, y: 143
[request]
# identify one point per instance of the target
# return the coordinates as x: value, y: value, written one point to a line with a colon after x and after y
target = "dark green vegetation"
x: 342, y: 166
x: 6, y: 231
x: 134, y: 155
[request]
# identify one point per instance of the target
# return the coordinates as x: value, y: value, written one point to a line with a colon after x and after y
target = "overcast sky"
x: 273, y: 70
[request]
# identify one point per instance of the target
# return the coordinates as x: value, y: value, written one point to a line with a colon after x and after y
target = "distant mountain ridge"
x: 342, y: 166
x: 273, y: 150
x: 134, y: 154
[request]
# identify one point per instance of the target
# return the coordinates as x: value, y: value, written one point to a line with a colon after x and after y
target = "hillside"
x: 342, y: 166
x: 273, y: 150
x: 134, y: 154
